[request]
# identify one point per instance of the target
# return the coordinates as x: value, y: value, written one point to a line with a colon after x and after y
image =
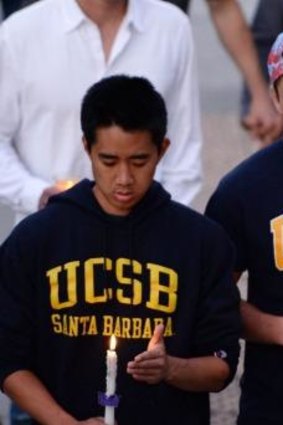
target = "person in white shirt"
x: 51, y: 52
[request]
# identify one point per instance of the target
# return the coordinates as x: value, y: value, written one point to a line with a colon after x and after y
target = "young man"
x: 118, y: 256
x: 248, y: 203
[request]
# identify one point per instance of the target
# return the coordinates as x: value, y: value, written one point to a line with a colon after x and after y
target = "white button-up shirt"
x: 50, y: 54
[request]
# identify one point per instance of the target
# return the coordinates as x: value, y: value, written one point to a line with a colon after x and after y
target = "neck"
x: 102, y: 12
x: 108, y: 16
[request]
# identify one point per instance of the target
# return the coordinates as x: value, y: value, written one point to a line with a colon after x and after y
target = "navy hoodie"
x: 71, y: 275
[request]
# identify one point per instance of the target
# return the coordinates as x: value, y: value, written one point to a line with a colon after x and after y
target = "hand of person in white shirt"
x: 47, y: 193
x: 58, y: 187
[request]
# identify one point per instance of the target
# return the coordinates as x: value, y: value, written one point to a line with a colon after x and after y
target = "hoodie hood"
x: 81, y: 196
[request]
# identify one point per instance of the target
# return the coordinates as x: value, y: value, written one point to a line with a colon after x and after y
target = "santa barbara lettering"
x: 122, y: 327
x: 161, y: 284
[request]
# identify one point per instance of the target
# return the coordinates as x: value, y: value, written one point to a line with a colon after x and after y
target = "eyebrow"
x: 107, y: 156
x: 113, y: 156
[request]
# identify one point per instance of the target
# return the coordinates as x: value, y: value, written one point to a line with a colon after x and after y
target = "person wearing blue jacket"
x: 117, y: 256
x: 248, y: 204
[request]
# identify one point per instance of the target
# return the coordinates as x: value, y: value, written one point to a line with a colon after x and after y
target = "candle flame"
x: 113, y: 342
x: 65, y: 184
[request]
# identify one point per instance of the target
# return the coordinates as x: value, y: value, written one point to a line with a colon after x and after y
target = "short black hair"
x: 131, y: 103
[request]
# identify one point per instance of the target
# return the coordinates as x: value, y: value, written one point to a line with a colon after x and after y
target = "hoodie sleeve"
x: 218, y: 326
x: 226, y: 207
x: 16, y: 309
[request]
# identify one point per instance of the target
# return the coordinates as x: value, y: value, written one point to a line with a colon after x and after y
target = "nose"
x: 124, y: 175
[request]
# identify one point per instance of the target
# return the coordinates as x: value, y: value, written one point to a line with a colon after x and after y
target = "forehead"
x: 118, y: 141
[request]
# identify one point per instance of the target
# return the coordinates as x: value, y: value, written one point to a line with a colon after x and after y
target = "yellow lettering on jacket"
x: 122, y: 327
x: 136, y: 286
x: 156, y: 290
x: 163, y: 296
x: 276, y: 226
x: 90, y: 279
x: 69, y: 279
x: 135, y: 327
x: 74, y: 326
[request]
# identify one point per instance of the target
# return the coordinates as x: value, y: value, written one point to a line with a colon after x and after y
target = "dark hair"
x: 131, y: 103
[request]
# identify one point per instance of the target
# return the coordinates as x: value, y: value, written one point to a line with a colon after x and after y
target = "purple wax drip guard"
x: 105, y: 400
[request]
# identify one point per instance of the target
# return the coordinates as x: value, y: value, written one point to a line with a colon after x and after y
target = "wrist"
x: 170, y: 370
x: 63, y: 418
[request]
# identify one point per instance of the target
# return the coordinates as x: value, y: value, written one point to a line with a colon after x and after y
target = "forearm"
x: 197, y: 374
x: 237, y: 38
x: 31, y: 395
x: 261, y: 327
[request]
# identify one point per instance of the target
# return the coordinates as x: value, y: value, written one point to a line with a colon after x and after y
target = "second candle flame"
x: 113, y: 342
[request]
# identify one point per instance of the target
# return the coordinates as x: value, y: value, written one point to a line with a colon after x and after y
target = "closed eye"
x: 139, y: 162
x: 109, y: 161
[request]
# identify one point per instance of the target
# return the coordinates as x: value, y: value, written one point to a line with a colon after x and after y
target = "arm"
x: 31, y: 395
x: 259, y: 326
x: 194, y: 374
x: 181, y: 167
x: 262, y: 120
x: 216, y: 327
x: 18, y: 188
x: 17, y: 315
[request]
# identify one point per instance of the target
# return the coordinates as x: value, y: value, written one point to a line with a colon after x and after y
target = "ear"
x: 163, y: 148
x: 275, y: 96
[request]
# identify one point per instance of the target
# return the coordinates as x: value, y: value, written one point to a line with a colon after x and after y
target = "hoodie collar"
x: 73, y: 15
x: 81, y: 196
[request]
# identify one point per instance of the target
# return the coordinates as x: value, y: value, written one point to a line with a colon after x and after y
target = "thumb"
x: 157, y: 337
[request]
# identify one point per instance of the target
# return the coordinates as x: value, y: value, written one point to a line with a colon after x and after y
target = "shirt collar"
x: 74, y: 16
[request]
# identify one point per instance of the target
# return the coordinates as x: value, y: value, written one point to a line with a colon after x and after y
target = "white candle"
x: 111, y: 363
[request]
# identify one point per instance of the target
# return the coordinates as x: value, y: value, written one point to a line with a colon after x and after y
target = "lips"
x: 123, y: 196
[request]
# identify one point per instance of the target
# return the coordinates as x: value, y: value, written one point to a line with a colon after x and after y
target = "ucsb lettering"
x: 161, y: 284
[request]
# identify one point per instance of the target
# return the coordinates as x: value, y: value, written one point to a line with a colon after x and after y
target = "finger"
x: 157, y: 336
x: 146, y: 372
x: 42, y: 202
x: 153, y: 379
x: 153, y: 353
x: 149, y: 364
